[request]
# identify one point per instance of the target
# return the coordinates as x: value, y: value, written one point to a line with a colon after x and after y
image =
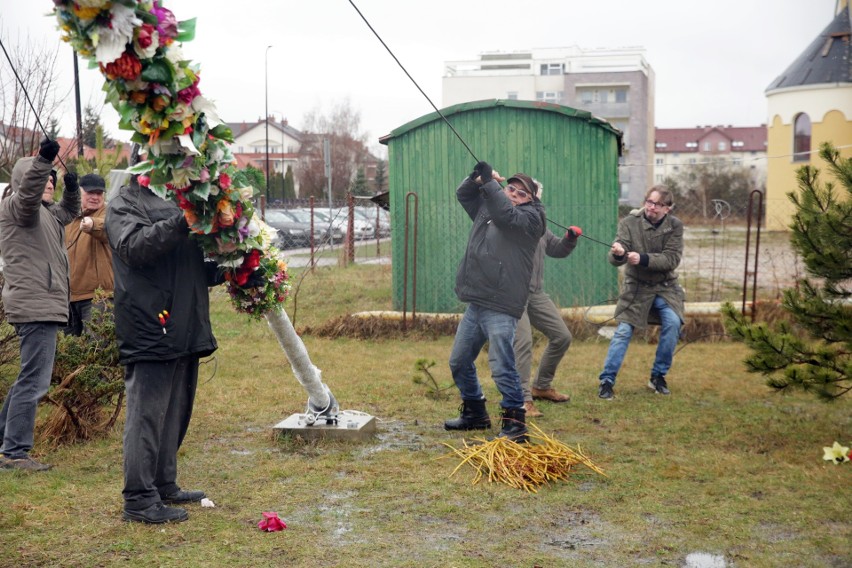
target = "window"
x: 692, y: 144
x: 659, y: 178
x: 552, y: 68
x: 586, y: 96
x: 801, y: 138
x: 659, y: 161
x: 722, y: 146
x: 737, y: 162
x: 661, y: 144
x: 707, y: 146
x: 601, y: 96
x: 512, y: 95
x: 692, y: 160
x: 621, y: 95
x: 548, y: 96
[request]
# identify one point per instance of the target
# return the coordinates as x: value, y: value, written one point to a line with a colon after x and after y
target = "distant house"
x: 250, y: 146
x: 676, y: 149
x: 808, y: 104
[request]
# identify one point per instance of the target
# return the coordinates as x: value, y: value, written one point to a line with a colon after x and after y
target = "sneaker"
x: 606, y: 391
x: 181, y: 496
x: 658, y: 385
x: 156, y: 514
x: 24, y: 464
x: 549, y: 394
x: 532, y: 411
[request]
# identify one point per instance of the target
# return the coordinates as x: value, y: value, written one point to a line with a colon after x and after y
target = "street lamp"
x: 266, y: 112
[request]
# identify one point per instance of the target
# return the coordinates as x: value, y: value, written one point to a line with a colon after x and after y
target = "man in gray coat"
x: 649, y: 242
x: 35, y: 292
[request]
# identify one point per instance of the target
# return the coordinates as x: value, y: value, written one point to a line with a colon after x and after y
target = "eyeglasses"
x: 650, y: 203
x: 515, y: 189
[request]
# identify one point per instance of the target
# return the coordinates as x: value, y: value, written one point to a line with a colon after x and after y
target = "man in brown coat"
x: 88, y: 253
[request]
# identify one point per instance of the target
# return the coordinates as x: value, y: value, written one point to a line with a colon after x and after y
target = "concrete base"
x: 350, y: 427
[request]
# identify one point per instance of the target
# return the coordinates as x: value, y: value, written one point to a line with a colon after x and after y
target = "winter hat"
x: 92, y: 183
x: 526, y: 181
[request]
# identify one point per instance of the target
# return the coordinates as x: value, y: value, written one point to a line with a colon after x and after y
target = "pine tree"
x: 381, y: 176
x: 814, y: 353
x: 289, y: 184
x: 359, y: 184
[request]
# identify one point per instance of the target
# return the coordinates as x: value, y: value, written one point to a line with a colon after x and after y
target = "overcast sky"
x: 713, y: 59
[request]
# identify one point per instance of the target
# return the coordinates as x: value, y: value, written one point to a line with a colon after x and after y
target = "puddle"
x: 704, y: 560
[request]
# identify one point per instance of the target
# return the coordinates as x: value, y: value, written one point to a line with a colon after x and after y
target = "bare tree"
x: 348, y: 150
x: 20, y: 132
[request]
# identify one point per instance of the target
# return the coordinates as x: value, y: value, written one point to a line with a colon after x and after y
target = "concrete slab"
x: 350, y: 427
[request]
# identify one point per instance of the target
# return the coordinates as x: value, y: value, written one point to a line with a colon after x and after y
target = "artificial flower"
x: 126, y: 66
x: 246, y: 192
x: 167, y: 24
x: 114, y: 37
x: 836, y: 453
x: 226, y: 213
x: 146, y: 42
x: 99, y: 4
x: 271, y: 523
x: 224, y: 181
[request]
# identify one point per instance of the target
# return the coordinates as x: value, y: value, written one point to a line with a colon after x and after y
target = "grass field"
x: 723, y: 466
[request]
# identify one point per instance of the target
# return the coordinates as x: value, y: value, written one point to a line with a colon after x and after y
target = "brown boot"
x: 532, y: 411
x: 549, y: 394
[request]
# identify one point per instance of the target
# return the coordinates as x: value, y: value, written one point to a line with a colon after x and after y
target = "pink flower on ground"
x: 271, y: 523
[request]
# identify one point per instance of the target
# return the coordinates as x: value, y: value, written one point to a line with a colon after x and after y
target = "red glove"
x: 574, y: 232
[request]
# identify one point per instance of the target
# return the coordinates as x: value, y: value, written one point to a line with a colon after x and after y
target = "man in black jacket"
x: 494, y: 278
x: 162, y: 323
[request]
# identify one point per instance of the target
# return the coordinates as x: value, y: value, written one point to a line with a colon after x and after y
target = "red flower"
x: 271, y: 523
x: 252, y: 261
x: 224, y: 181
x: 143, y: 180
x: 186, y: 95
x: 145, y: 35
x: 127, y: 67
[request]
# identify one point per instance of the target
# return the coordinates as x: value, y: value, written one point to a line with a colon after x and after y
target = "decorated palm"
x: 136, y: 46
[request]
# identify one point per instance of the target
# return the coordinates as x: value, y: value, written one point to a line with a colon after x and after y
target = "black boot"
x: 514, y: 425
x: 473, y: 417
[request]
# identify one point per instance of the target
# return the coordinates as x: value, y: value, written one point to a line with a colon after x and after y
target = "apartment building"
x: 614, y: 84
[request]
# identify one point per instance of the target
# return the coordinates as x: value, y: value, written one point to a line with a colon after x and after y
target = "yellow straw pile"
x: 524, y: 466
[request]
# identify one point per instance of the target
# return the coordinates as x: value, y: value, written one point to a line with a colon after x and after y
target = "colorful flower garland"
x: 136, y: 45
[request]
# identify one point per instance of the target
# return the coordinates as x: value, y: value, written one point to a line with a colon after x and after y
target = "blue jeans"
x: 477, y: 326
x: 17, y: 418
x: 669, y: 332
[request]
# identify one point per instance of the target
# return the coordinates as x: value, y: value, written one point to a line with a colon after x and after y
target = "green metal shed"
x: 572, y: 153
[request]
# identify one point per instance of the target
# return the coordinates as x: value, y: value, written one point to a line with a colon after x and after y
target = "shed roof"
x: 493, y: 103
x: 828, y: 59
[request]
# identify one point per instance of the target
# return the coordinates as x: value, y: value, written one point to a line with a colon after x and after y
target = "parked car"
x: 339, y: 219
x: 292, y: 233
x: 370, y: 213
x: 329, y: 231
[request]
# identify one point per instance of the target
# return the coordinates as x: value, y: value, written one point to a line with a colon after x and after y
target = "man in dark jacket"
x: 649, y: 243
x: 162, y: 323
x: 494, y: 279
x: 35, y: 293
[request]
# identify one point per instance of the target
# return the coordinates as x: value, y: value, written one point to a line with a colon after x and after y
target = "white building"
x: 614, y: 84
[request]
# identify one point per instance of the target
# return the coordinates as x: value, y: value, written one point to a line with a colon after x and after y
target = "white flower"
x: 112, y: 40
x: 246, y: 192
x: 836, y: 453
